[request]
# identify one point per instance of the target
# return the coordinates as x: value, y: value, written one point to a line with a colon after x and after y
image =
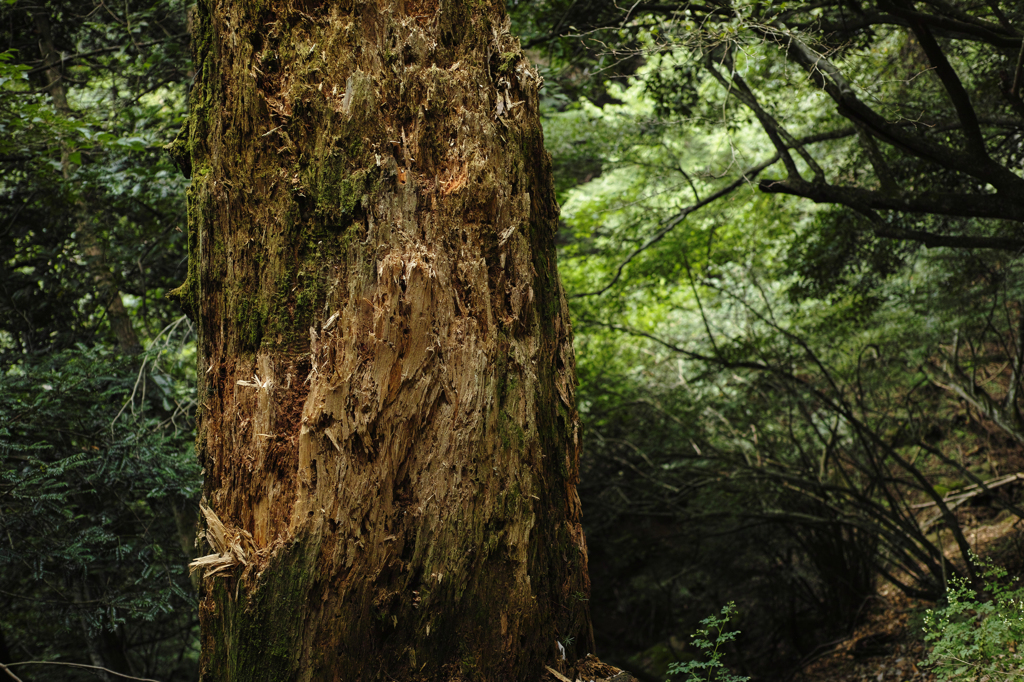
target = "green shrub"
x: 710, y: 639
x: 976, y: 638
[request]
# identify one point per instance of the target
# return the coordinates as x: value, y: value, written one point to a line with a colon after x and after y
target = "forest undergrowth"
x: 891, y: 641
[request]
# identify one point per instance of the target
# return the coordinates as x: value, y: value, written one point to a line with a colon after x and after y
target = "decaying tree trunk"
x: 386, y: 374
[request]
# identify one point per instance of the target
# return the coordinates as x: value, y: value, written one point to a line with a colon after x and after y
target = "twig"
x: 12, y: 675
x: 75, y: 665
x: 1015, y: 88
x: 672, y: 222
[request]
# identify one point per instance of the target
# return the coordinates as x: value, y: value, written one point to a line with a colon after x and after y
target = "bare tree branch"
x: 76, y: 665
x: 670, y: 224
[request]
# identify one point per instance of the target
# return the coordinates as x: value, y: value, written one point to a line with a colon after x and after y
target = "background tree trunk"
x: 107, y: 291
x: 386, y: 376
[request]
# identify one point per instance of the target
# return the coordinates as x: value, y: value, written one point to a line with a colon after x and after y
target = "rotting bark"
x: 387, y: 420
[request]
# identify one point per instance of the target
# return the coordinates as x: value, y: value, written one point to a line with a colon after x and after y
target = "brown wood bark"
x: 386, y: 377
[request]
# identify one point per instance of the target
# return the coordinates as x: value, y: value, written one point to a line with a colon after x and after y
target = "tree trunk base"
x: 588, y: 669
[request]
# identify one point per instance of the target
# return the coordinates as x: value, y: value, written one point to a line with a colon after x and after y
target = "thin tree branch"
x: 670, y: 224
x: 113, y: 48
x: 956, y: 382
x: 767, y: 122
x: 954, y: 88
x: 1010, y: 404
x: 77, y: 665
x: 10, y: 674
x: 860, y: 428
x: 868, y: 201
x: 817, y: 66
x: 953, y: 19
x: 1015, y: 88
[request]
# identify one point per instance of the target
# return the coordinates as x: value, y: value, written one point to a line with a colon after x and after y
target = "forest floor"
x: 889, y: 644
